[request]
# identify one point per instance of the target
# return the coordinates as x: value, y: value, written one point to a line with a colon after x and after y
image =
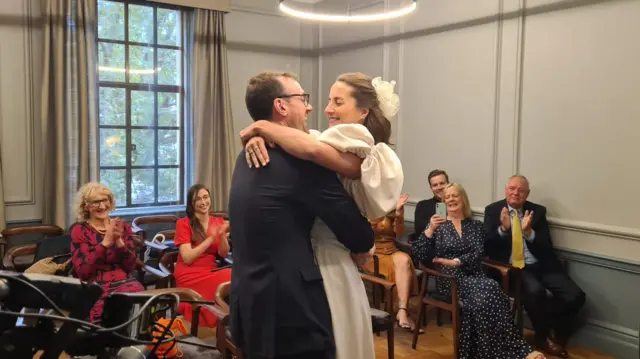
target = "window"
x: 140, y: 97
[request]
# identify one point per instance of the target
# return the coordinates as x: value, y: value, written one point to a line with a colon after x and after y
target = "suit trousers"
x: 556, y: 311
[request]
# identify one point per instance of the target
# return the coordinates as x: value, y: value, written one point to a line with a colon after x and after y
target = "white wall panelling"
x: 492, y: 88
x: 259, y: 39
x: 20, y: 74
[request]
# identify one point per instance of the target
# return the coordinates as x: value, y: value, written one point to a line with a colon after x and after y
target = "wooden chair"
x: 506, y: 272
x: 403, y: 247
x: 58, y: 247
x: 139, y: 223
x: 451, y: 302
x: 145, y: 277
x: 167, y: 266
x: 8, y: 239
x: 383, y: 320
x: 190, y: 295
x: 223, y: 334
x: 511, y: 283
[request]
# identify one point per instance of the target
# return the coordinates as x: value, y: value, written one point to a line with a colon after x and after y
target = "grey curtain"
x: 69, y: 114
x: 3, y: 222
x: 211, y: 106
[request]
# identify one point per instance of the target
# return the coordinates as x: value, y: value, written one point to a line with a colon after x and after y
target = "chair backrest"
x: 222, y: 214
x: 21, y: 235
x: 53, y: 247
x: 148, y: 226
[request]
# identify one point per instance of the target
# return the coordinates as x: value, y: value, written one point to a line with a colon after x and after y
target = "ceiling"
x: 337, y: 5
x: 331, y: 6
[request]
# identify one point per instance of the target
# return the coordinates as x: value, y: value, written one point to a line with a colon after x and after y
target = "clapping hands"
x: 527, y: 222
x: 505, y: 219
x: 113, y: 233
x: 118, y: 230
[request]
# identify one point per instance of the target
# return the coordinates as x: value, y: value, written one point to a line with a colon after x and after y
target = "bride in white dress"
x: 356, y: 147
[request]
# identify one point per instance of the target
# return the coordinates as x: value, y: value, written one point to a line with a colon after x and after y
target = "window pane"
x: 110, y: 20
x: 142, y: 153
x: 168, y: 108
x: 168, y: 184
x: 141, y: 24
x: 142, y: 182
x: 168, y: 147
x: 169, y: 67
x: 112, y: 106
x: 141, y: 64
x: 111, y: 62
x: 116, y: 180
x: 142, y: 108
x: 113, y: 147
x: 168, y: 27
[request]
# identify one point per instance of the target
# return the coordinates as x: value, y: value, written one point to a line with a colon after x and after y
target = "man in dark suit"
x: 518, y: 233
x: 278, y: 305
x: 425, y: 209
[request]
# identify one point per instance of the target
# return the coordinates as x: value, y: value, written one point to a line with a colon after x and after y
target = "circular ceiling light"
x: 379, y: 16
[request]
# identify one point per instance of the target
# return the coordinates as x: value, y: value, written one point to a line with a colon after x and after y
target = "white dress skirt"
x: 376, y: 194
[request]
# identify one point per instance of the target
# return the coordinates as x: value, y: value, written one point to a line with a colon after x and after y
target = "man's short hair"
x: 262, y: 90
x: 435, y: 173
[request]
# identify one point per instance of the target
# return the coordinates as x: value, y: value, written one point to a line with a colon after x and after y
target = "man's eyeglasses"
x: 305, y: 97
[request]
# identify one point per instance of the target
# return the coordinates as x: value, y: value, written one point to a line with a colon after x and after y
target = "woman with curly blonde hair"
x: 102, y: 248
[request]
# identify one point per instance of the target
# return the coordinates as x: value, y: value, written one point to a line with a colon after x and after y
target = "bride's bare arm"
x: 304, y: 146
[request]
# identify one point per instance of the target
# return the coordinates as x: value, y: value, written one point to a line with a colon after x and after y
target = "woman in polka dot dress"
x: 456, y: 244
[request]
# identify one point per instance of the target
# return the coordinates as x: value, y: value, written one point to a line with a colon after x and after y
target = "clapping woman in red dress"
x: 200, y: 238
x: 102, y: 248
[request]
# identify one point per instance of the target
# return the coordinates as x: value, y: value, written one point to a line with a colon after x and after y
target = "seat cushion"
x: 380, y: 320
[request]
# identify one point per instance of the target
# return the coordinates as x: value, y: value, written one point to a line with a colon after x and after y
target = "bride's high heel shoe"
x: 407, y: 326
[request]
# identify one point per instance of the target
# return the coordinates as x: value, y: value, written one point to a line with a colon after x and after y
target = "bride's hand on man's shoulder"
x: 256, y: 152
x: 253, y: 130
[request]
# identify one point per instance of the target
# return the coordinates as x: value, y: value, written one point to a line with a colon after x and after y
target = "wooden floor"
x: 436, y: 343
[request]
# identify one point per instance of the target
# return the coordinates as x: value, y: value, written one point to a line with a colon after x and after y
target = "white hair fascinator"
x: 389, y: 101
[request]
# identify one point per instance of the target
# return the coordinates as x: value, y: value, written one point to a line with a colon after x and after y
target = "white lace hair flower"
x: 389, y: 101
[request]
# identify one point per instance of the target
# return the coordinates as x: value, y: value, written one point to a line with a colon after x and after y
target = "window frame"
x: 156, y: 89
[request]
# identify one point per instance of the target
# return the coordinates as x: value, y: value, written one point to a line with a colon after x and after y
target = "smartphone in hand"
x: 441, y: 210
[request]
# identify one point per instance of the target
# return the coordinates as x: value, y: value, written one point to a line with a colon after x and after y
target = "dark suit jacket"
x: 499, y: 248
x: 278, y: 303
x: 425, y: 209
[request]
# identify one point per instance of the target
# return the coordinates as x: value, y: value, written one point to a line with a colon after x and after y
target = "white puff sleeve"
x: 377, y: 191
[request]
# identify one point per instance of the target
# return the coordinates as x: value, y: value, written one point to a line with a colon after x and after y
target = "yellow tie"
x: 517, y: 246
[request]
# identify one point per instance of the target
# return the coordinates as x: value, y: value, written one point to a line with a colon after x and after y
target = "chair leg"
x: 520, y: 320
x: 424, y: 317
x: 455, y: 324
x: 421, y: 313
x: 390, y: 343
x: 439, y: 317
